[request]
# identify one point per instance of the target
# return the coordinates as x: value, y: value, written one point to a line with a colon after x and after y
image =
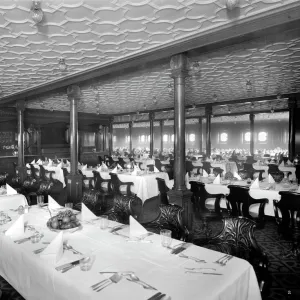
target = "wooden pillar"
x: 180, y: 195
x: 21, y: 169
x: 208, y: 113
x: 151, y: 117
x: 111, y: 120
x: 200, y: 135
x: 292, y: 103
x: 39, y: 139
x: 130, y: 137
x: 251, y: 117
x: 161, y: 136
x: 74, y: 180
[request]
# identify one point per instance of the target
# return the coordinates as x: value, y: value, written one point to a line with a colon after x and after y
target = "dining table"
x: 177, y: 276
x: 12, y: 201
x: 286, y: 168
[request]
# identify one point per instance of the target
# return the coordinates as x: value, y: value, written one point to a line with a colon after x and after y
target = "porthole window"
x: 172, y: 138
x: 165, y: 138
x: 223, y: 137
x: 247, y: 136
x: 142, y: 138
x: 192, y: 137
x: 262, y: 136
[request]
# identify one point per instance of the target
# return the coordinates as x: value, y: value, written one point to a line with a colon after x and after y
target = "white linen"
x: 54, y: 251
x: 151, y: 262
x: 52, y: 204
x: 217, y: 180
x: 104, y: 167
x: 205, y: 173
x: 86, y: 214
x: 12, y: 201
x: 119, y: 167
x: 115, y: 170
x: 156, y: 170
x: 271, y: 179
x: 136, y: 229
x: 255, y: 184
x: 282, y: 164
x: 10, y: 190
x: 83, y: 168
x: 28, y: 166
x: 39, y: 162
x: 237, y: 176
x: 33, y: 162
x: 58, y: 175
x: 134, y: 172
x: 17, y: 228
x: 298, y: 191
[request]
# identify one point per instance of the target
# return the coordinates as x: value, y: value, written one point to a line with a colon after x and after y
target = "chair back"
x: 206, y: 166
x: 163, y: 189
x: 218, y: 171
x: 101, y: 184
x: 239, y: 200
x: 158, y: 164
x: 273, y: 169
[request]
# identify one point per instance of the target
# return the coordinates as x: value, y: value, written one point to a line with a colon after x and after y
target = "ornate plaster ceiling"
x: 90, y: 33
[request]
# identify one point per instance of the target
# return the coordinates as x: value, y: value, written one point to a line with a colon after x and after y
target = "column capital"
x: 74, y: 92
x: 130, y: 124
x: 208, y: 110
x: 200, y: 120
x: 292, y: 103
x: 161, y: 122
x: 151, y: 116
x: 111, y: 119
x: 179, y: 65
x: 20, y: 105
x: 251, y: 116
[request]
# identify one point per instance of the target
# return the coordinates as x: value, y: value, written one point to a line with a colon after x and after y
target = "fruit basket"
x: 64, y: 221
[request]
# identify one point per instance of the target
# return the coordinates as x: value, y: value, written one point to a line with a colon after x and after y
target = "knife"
x: 203, y: 273
x: 178, y: 250
x: 73, y: 263
x: 117, y: 228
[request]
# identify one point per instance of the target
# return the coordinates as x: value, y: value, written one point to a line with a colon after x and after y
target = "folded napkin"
x: 237, y: 176
x: 68, y: 163
x: 271, y: 179
x: 84, y: 168
x: 17, y: 228
x: 205, y: 174
x: 217, y: 180
x: 156, y: 170
x: 58, y: 161
x: 298, y: 191
x: 289, y: 162
x: 52, y: 204
x: 282, y: 164
x: 86, y: 214
x: 50, y: 164
x: 119, y: 167
x: 255, y: 184
x: 99, y: 169
x: 54, y: 251
x: 60, y: 165
x: 135, y: 228
x: 33, y: 162
x: 79, y: 164
x: 115, y: 170
x: 28, y: 166
x: 39, y: 162
x: 136, y: 167
x: 10, y: 190
x: 104, y: 167
x: 134, y: 172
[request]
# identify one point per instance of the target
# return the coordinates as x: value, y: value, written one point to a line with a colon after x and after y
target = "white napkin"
x: 136, y: 167
x: 255, y: 184
x: 136, y: 229
x: 217, y: 180
x: 237, y: 176
x: 60, y: 165
x: 68, y: 163
x: 54, y: 251
x: 79, y: 164
x: 52, y: 204
x: 28, y: 166
x: 84, y: 168
x: 104, y: 167
x: 282, y: 164
x: 99, y: 169
x: 86, y: 214
x: 33, y: 162
x: 58, y: 161
x: 10, y: 190
x: 134, y: 172
x: 271, y: 179
x: 50, y: 163
x: 289, y: 162
x: 205, y: 174
x: 39, y: 162
x: 115, y: 170
x: 119, y: 167
x: 156, y: 170
x: 17, y: 228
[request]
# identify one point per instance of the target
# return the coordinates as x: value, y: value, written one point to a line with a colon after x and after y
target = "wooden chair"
x: 207, y: 166
x: 237, y: 239
x: 251, y: 171
x: 119, y: 187
x: 163, y: 190
x: 3, y: 178
x: 239, y: 202
x: 289, y: 223
x: 218, y: 171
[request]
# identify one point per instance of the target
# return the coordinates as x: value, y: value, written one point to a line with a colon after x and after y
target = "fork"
x: 221, y: 258
x: 106, y: 282
x: 192, y: 258
x: 225, y: 261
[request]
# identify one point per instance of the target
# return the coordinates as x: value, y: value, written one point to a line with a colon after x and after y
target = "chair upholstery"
x: 237, y: 239
x: 239, y: 201
x: 119, y: 187
x: 163, y: 190
x: 289, y: 223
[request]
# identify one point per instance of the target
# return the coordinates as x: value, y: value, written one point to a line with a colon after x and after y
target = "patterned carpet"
x: 285, y: 272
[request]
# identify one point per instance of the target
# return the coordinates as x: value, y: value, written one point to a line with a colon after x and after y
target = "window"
x: 149, y: 138
x: 262, y: 136
x: 165, y: 138
x: 127, y: 139
x: 114, y: 138
x: 223, y: 137
x: 88, y: 139
x: 192, y: 137
x: 142, y: 138
x: 247, y: 136
x: 172, y: 137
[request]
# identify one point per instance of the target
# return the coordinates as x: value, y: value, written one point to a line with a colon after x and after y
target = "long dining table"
x: 36, y: 278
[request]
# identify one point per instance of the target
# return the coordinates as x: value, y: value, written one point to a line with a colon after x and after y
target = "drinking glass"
x: 69, y: 205
x: 103, y: 222
x: 86, y: 262
x: 166, y: 237
x: 40, y: 200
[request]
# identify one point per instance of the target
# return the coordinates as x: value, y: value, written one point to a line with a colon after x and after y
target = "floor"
x: 285, y: 272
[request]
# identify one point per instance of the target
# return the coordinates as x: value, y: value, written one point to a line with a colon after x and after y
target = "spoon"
x: 134, y: 278
x: 69, y: 247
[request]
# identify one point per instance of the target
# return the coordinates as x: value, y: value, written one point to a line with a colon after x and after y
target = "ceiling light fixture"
x: 279, y: 96
x: 232, y: 4
x: 170, y: 88
x: 62, y: 64
x: 215, y: 97
x: 36, y: 12
x: 229, y: 110
x: 154, y: 100
x: 252, y: 105
x: 249, y: 86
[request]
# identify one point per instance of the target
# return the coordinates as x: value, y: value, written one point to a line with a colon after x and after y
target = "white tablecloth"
x: 12, y: 201
x: 37, y: 279
x: 283, y: 169
x: 226, y: 166
x: 58, y: 175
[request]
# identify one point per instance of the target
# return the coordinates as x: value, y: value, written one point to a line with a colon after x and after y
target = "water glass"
x: 103, y: 222
x: 86, y: 262
x: 69, y: 205
x: 166, y: 237
x: 40, y: 200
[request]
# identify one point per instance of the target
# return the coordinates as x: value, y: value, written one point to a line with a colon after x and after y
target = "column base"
x: 22, y: 173
x: 74, y: 188
x: 183, y: 199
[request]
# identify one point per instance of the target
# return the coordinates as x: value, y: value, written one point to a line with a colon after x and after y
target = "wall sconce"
x: 62, y: 64
x: 249, y: 86
x: 36, y: 12
x: 252, y: 105
x: 229, y: 110
x: 170, y: 88
x: 232, y: 4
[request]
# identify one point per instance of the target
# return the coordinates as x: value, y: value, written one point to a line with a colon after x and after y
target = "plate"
x: 70, y: 230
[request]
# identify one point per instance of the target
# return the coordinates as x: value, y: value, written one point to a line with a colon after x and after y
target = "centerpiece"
x: 64, y: 220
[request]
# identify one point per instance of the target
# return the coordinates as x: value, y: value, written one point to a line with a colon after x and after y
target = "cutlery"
x: 117, y: 228
x: 160, y: 297
x: 26, y: 239
x: 106, y: 282
x: 135, y: 279
x: 221, y: 258
x: 203, y: 273
x: 223, y: 263
x: 39, y: 250
x: 178, y: 250
x: 85, y: 259
x: 69, y: 247
x: 64, y: 266
x: 192, y: 258
x: 191, y: 269
x: 155, y: 297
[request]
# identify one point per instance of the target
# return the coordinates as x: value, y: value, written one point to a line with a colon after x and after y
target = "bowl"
x: 70, y: 230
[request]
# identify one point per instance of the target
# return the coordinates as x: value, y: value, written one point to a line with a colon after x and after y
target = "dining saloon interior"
x: 149, y: 149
